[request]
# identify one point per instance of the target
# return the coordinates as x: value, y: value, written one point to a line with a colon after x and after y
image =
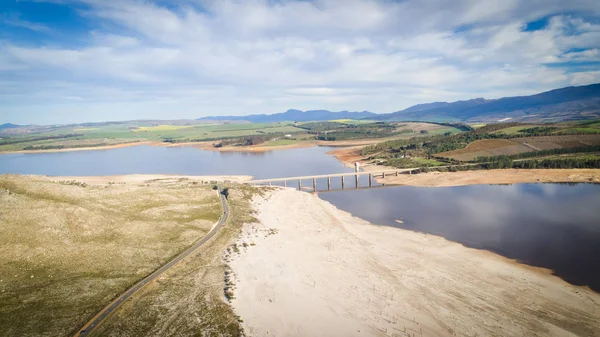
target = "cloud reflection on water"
x: 548, y: 225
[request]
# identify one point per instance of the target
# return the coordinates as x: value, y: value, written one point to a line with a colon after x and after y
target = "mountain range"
x: 560, y: 104
x: 296, y: 115
x: 570, y: 103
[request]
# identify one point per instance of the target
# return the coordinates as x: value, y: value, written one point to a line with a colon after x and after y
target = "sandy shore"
x: 143, y: 178
x: 505, y: 176
x: 309, y: 269
x: 107, y: 147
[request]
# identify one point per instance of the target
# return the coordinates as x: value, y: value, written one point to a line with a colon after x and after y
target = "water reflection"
x: 175, y: 160
x: 555, y: 226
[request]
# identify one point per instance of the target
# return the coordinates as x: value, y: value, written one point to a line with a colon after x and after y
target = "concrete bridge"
x: 329, y: 177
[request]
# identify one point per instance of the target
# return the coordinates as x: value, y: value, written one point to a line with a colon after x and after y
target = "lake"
x: 555, y: 226
x: 146, y: 159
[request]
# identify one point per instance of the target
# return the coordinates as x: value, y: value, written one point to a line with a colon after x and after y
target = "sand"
x: 92, y: 148
x: 504, y: 176
x: 309, y: 269
x: 143, y: 178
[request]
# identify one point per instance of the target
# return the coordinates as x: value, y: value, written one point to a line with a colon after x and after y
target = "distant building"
x: 287, y: 136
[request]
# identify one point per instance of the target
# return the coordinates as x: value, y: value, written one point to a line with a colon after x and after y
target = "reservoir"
x: 146, y: 159
x: 555, y: 226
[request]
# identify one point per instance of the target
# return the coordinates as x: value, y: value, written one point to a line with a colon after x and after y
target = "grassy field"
x: 133, y: 132
x: 497, y: 147
x: 162, y: 128
x: 107, y: 134
x: 282, y: 142
x: 68, y: 248
x: 587, y: 127
x: 514, y: 129
x: 189, y: 300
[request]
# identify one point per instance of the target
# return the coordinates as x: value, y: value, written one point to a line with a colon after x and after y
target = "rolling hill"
x: 295, y: 115
x: 9, y: 126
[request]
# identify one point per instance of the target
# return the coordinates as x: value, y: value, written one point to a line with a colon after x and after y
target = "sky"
x: 72, y: 61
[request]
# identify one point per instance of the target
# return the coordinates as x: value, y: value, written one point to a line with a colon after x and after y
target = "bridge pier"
x: 372, y: 176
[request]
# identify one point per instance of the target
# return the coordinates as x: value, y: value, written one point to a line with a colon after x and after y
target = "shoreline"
x: 348, y: 277
x: 143, y: 178
x: 207, y: 145
x: 499, y: 176
x: 72, y: 149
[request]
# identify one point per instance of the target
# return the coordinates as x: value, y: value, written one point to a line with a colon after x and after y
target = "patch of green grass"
x: 514, y: 129
x: 427, y: 162
x: 281, y: 142
x: 587, y: 130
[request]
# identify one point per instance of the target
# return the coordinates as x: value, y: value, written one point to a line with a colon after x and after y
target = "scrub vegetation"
x: 68, y: 248
x: 189, y: 300
x: 501, y: 145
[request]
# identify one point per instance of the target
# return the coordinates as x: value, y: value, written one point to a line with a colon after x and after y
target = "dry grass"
x: 68, y: 249
x: 189, y: 299
x: 486, y: 147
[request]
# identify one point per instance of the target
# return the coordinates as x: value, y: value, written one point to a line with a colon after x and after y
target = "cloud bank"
x: 107, y: 60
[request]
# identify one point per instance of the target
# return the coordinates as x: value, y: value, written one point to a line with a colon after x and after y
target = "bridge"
x: 372, y: 175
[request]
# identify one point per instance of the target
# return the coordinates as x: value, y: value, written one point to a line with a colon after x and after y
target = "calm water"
x: 174, y: 160
x: 556, y: 226
x: 548, y: 225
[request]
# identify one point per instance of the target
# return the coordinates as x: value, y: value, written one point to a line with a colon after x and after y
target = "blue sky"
x: 67, y: 61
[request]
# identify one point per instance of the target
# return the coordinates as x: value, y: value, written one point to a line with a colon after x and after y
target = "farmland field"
x: 497, y: 147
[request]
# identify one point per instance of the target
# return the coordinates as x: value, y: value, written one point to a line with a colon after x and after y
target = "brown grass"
x: 486, y: 147
x: 67, y: 250
x: 497, y: 147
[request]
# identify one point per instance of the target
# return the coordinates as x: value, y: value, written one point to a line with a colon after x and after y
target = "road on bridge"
x: 104, y: 313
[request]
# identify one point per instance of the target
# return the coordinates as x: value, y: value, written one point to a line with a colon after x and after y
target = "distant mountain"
x: 9, y: 126
x: 560, y: 104
x: 295, y: 115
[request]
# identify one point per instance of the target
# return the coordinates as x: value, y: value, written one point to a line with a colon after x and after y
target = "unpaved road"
x: 104, y: 313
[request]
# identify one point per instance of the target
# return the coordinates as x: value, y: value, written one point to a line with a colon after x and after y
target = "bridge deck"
x: 350, y: 174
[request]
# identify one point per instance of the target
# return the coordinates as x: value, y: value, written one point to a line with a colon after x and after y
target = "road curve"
x: 104, y: 313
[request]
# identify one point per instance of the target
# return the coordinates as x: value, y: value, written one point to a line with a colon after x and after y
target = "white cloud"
x: 259, y: 56
x: 15, y: 21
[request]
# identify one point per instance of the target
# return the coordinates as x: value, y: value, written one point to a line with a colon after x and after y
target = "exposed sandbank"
x: 309, y: 269
x: 91, y: 148
x: 143, y: 178
x: 503, y: 176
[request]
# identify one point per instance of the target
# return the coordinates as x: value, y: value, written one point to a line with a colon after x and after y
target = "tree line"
x: 35, y: 139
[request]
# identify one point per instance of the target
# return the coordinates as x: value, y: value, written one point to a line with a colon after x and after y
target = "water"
x: 174, y: 160
x: 555, y: 226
